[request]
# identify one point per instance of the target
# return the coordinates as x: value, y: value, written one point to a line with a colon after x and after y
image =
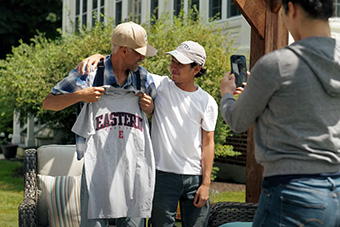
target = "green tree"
x: 29, y: 73
x: 21, y: 19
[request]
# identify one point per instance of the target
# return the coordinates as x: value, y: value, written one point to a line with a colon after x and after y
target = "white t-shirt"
x: 177, y: 124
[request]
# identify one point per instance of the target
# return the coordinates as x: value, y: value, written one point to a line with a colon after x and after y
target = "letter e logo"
x: 121, y: 134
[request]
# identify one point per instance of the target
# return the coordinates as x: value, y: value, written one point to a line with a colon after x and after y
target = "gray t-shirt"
x: 119, y: 159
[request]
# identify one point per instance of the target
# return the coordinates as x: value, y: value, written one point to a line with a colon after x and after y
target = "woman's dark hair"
x: 316, y: 9
x: 200, y: 73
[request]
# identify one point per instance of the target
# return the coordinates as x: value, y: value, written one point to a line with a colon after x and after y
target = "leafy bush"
x: 29, y: 73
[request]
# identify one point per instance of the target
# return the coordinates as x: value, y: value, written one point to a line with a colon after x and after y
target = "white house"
x: 81, y: 12
x: 78, y: 13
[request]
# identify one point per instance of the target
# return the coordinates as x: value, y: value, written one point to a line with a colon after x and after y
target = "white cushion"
x: 59, y: 160
x: 55, y: 160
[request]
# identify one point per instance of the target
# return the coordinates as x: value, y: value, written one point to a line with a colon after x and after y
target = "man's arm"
x: 59, y: 102
x: 208, y: 146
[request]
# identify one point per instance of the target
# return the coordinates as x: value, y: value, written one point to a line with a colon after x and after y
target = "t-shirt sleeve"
x: 73, y: 82
x: 210, y: 115
x: 84, y: 125
x: 150, y: 86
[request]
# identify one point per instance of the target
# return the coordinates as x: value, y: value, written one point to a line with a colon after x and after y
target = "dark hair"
x: 316, y: 9
x: 200, y: 73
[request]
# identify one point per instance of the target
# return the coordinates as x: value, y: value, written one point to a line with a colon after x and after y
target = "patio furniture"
x: 52, y: 177
x: 226, y: 212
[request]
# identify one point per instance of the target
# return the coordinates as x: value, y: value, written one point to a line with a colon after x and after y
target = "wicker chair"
x: 226, y: 212
x: 51, y: 160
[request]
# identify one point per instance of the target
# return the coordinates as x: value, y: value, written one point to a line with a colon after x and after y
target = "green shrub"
x: 29, y: 73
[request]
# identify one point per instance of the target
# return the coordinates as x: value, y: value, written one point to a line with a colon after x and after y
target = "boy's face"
x: 181, y: 73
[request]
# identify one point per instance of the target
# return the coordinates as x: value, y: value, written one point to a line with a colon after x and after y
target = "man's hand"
x: 146, y: 103
x: 90, y: 94
x: 59, y: 102
x: 202, y: 196
x: 87, y: 62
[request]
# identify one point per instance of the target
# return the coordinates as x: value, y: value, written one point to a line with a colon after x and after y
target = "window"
x: 84, y: 13
x: 118, y: 14
x: 77, y: 18
x: 232, y: 10
x: 94, y: 11
x: 178, y: 6
x: 215, y: 9
x: 101, y: 10
x: 154, y: 9
x: 97, y: 11
x: 336, y: 8
x: 195, y: 6
x: 195, y: 3
x: 135, y: 11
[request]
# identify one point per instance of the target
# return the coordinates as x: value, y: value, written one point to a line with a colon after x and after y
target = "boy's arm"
x: 208, y: 146
x: 93, y: 61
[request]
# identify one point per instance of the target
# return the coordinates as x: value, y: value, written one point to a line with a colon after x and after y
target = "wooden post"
x: 268, y: 33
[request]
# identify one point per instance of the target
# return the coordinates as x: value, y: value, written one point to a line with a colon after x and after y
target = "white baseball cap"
x: 189, y: 52
x: 130, y: 34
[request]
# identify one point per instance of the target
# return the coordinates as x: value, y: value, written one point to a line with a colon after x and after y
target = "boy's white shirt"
x: 177, y: 124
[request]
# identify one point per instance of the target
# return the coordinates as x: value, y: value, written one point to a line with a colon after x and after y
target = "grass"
x: 11, y: 192
x: 231, y: 196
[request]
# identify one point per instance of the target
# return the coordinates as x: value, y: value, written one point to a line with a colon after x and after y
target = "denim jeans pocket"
x: 300, y: 207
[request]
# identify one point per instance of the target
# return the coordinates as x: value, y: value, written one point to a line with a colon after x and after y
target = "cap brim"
x: 147, y: 50
x: 180, y: 57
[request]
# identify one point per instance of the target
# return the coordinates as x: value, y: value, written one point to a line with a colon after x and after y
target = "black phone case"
x: 239, y: 69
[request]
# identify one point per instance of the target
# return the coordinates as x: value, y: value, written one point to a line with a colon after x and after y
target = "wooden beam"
x: 276, y: 6
x: 254, y: 12
x: 268, y: 33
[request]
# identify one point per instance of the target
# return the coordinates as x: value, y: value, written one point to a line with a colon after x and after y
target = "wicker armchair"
x: 51, y: 160
x: 226, y: 212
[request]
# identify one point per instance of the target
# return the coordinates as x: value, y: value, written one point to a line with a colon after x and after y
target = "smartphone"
x: 239, y: 69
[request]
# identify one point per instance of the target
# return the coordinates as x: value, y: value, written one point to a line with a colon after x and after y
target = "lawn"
x: 11, y: 192
x: 229, y: 196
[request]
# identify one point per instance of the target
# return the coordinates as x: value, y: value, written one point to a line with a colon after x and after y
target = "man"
x: 129, y: 48
x: 293, y: 97
x: 183, y: 125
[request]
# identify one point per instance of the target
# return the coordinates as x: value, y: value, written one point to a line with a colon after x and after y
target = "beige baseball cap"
x: 189, y: 52
x: 130, y: 34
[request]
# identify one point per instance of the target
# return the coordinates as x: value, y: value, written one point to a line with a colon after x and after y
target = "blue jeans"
x: 85, y: 222
x: 300, y: 202
x: 171, y: 188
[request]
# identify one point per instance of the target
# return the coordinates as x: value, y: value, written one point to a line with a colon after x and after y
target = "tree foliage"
x: 21, y: 19
x: 30, y: 72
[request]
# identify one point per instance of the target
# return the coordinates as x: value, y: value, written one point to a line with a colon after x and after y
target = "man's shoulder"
x: 142, y: 71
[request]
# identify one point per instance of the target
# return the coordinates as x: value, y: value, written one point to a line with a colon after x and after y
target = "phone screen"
x: 239, y: 69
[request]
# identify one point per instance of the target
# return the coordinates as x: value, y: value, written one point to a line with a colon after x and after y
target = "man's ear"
x: 292, y: 9
x: 123, y: 50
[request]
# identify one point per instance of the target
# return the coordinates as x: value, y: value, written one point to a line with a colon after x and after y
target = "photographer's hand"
x: 228, y: 84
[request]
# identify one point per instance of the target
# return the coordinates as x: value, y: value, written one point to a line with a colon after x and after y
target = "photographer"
x: 293, y: 96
